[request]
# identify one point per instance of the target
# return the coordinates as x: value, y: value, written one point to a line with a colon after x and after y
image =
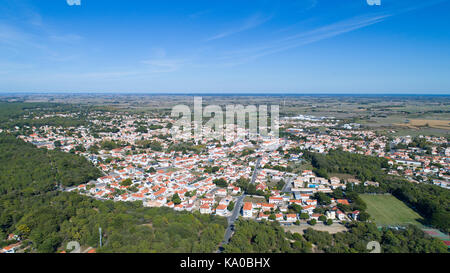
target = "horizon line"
x: 218, y: 93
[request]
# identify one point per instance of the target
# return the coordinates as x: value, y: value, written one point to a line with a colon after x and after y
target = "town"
x: 254, y: 179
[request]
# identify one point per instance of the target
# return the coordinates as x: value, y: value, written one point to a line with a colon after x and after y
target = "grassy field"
x: 426, y: 131
x: 388, y: 210
x: 254, y: 199
x: 430, y: 123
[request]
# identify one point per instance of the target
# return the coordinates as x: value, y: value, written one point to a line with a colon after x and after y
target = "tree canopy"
x: 47, y: 218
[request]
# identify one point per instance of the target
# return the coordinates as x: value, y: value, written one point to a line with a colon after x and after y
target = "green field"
x: 388, y: 210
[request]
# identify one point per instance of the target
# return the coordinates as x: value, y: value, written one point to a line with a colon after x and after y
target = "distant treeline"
x: 12, y: 114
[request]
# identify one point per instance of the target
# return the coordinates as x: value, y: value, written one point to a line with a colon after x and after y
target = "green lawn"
x: 388, y: 210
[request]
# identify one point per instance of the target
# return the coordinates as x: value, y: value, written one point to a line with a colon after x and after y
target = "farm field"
x: 417, y: 123
x: 388, y: 210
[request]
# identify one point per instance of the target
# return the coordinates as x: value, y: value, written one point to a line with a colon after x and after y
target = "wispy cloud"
x: 12, y: 67
x: 101, y: 75
x: 150, y: 68
x: 163, y: 65
x: 11, y: 35
x: 26, y: 31
x: 336, y: 29
x: 66, y: 38
x: 197, y: 14
x: 35, y: 18
x: 249, y: 23
x: 303, y: 38
x: 317, y: 34
x: 18, y: 40
x: 311, y: 4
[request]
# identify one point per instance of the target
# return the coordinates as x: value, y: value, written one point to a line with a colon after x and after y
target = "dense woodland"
x: 269, y: 237
x: 337, y: 161
x: 410, y: 240
x: 32, y: 206
x: 264, y: 237
x: 26, y: 170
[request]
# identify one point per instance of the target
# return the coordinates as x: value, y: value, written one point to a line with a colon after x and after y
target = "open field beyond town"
x: 388, y: 210
x: 417, y: 123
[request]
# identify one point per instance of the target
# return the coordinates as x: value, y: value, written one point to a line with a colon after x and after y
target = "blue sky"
x: 305, y: 46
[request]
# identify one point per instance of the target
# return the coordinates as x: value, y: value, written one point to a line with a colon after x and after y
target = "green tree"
x: 363, y: 216
x: 176, y: 199
x: 297, y: 208
x: 230, y: 206
x: 126, y: 182
x: 221, y: 182
x: 304, y: 216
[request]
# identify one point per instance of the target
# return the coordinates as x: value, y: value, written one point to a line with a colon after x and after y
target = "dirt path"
x: 334, y: 228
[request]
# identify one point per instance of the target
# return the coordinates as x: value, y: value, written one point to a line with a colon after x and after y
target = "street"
x: 288, y: 185
x: 237, y: 209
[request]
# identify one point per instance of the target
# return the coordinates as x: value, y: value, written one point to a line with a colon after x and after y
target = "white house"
x: 221, y: 210
x: 247, y: 211
x: 205, y: 209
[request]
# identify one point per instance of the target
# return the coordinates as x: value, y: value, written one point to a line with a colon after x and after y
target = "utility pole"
x: 100, y: 233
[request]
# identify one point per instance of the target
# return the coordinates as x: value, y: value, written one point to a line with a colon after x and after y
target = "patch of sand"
x: 334, y: 228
